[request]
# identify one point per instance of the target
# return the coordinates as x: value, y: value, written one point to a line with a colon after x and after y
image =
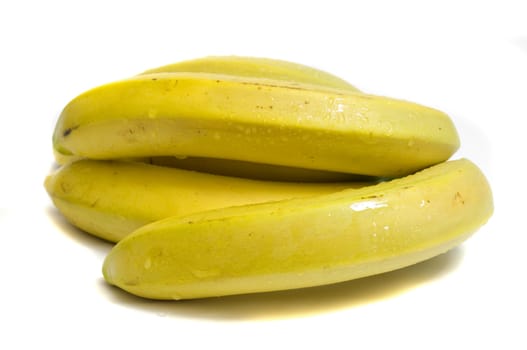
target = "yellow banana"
x: 256, y: 67
x: 110, y: 199
x: 254, y: 120
x: 304, y: 242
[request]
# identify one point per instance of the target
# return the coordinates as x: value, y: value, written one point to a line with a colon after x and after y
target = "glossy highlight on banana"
x: 230, y: 175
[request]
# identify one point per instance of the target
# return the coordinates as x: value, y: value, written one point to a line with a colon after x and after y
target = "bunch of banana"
x: 231, y: 175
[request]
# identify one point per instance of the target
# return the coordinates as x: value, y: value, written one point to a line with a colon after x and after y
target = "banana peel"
x: 304, y: 242
x: 260, y: 121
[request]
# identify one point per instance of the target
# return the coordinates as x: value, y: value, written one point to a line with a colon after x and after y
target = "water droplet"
x: 360, y: 206
x: 204, y: 273
x: 386, y: 227
x: 389, y: 128
x: 178, y: 156
x: 152, y: 113
x: 148, y: 263
x: 176, y: 297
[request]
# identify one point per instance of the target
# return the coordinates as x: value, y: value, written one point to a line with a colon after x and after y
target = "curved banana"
x: 256, y: 67
x: 304, y: 242
x: 110, y: 199
x: 254, y: 120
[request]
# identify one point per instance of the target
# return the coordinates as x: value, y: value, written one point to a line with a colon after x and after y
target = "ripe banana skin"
x: 254, y: 120
x: 257, y: 67
x: 111, y: 199
x: 304, y: 242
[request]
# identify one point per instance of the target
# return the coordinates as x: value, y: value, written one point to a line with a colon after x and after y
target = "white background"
x: 468, y: 59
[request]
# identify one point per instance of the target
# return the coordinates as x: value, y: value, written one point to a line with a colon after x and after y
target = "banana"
x: 254, y: 120
x: 256, y: 67
x: 111, y: 199
x: 304, y: 242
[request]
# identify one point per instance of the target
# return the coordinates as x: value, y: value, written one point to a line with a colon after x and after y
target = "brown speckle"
x: 69, y: 130
x: 65, y: 187
x: 133, y: 282
x: 373, y: 196
x: 458, y: 198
